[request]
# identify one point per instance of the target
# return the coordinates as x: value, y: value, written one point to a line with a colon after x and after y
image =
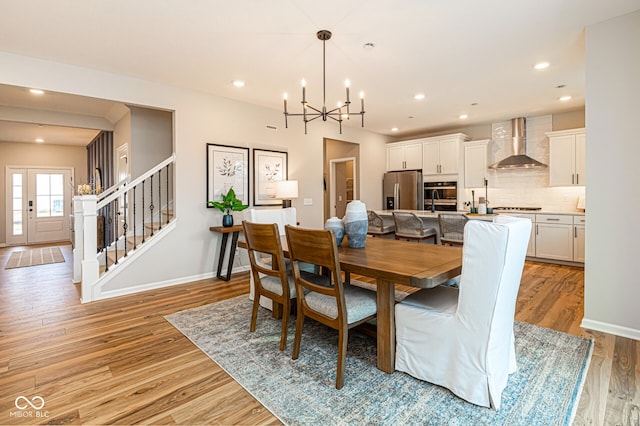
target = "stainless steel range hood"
x: 519, y: 159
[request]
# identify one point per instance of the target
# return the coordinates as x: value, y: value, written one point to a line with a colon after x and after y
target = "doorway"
x: 343, y: 184
x: 38, y: 204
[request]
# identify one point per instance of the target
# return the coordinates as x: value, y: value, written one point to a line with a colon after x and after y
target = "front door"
x: 38, y: 204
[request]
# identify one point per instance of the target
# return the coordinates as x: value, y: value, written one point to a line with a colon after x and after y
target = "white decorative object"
x: 356, y: 224
x: 337, y: 226
x: 482, y: 206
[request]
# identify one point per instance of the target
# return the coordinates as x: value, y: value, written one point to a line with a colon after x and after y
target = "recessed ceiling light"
x: 419, y: 96
x: 541, y: 65
x: 565, y: 98
x: 238, y: 83
x: 463, y: 116
x: 39, y: 140
x: 394, y: 129
x: 37, y: 91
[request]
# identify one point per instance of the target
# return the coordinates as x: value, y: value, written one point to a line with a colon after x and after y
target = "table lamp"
x: 286, y: 190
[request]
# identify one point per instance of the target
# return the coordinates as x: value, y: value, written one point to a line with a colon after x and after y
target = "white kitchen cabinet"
x: 554, y: 237
x: 567, y: 158
x: 441, y: 154
x: 404, y: 155
x: 475, y: 163
x: 578, y: 238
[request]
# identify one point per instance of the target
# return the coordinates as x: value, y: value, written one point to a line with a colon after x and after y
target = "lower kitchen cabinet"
x: 560, y: 237
x: 556, y: 236
x: 554, y: 241
x: 578, y: 238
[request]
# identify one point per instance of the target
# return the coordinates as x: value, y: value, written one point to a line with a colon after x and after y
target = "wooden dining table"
x: 393, y: 262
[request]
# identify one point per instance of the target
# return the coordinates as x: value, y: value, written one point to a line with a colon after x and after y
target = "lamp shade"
x: 287, y: 189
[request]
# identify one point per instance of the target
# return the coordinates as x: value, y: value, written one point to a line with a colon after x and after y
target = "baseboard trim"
x: 617, y: 330
x: 161, y: 284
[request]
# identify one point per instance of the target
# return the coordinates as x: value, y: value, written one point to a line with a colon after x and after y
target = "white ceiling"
x: 457, y: 52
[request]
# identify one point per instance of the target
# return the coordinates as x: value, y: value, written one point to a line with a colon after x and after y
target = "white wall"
x: 612, y: 271
x: 191, y: 250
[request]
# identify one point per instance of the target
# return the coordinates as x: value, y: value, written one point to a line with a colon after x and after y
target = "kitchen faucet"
x: 434, y: 195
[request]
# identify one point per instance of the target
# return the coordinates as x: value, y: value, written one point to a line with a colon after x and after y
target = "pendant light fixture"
x: 309, y: 113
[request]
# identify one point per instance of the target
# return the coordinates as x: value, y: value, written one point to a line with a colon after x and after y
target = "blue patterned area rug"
x: 544, y: 391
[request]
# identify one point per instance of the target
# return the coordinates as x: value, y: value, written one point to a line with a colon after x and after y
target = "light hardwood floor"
x: 119, y: 362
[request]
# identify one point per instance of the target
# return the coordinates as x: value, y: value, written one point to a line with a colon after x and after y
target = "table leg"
x: 386, y: 326
x: 223, y: 249
x: 276, y: 310
x: 232, y: 254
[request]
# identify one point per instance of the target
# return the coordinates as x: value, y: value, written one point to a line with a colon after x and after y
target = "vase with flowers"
x: 229, y: 203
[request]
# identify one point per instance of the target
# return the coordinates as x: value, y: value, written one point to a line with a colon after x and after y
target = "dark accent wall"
x: 100, y: 161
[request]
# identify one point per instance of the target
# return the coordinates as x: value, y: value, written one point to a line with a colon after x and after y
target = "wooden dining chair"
x: 270, y: 279
x: 325, y: 298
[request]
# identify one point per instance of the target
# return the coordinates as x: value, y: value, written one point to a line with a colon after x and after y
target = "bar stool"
x: 411, y: 228
x: 377, y: 227
x: 452, y: 228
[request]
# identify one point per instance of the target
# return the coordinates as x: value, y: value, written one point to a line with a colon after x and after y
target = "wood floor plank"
x: 119, y: 361
x: 623, y: 402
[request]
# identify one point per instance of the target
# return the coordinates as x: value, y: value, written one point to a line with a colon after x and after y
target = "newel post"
x: 90, y: 265
x: 78, y: 238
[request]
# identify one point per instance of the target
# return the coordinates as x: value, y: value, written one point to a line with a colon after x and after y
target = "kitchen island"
x: 556, y: 237
x: 431, y: 218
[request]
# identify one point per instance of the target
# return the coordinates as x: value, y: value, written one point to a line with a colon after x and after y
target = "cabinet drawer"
x: 579, y: 220
x: 531, y: 217
x: 554, y: 218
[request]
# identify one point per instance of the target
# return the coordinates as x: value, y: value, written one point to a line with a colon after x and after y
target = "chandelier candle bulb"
x: 304, y: 91
x: 347, y: 83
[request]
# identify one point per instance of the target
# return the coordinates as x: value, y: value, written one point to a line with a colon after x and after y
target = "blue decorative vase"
x: 337, y: 226
x: 227, y: 220
x: 356, y: 224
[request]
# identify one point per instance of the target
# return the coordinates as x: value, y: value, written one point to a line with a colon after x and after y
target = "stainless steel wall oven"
x: 441, y: 196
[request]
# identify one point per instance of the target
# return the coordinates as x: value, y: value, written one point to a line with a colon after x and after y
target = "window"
x: 18, y: 214
x: 49, y: 194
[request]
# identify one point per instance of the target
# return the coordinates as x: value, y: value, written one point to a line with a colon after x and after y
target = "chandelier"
x: 309, y: 113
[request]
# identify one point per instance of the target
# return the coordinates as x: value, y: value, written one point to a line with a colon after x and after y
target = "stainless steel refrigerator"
x: 403, y: 190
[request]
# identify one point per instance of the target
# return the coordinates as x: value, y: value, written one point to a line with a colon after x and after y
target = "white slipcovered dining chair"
x: 279, y: 216
x: 462, y: 339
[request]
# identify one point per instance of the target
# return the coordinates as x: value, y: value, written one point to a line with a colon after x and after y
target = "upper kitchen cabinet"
x: 404, y: 155
x: 442, y: 154
x: 567, y: 158
x: 475, y: 163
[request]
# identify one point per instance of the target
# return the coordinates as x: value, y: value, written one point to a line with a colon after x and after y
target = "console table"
x: 225, y: 231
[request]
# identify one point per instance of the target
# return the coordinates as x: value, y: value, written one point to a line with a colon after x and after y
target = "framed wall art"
x: 227, y: 167
x: 269, y: 167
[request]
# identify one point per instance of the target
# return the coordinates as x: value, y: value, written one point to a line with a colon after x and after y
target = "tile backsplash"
x: 524, y: 187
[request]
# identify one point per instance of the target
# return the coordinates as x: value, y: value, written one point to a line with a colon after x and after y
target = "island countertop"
x: 427, y: 214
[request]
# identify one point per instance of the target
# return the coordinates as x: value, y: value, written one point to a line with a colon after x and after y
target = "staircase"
x: 136, y: 215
